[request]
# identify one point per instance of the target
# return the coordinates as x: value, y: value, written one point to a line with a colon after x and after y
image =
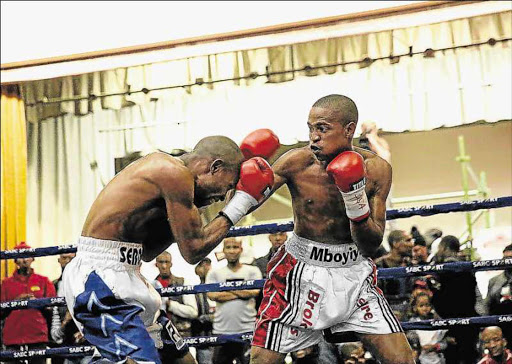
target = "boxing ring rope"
x: 384, y: 273
x: 427, y: 210
x: 204, y: 341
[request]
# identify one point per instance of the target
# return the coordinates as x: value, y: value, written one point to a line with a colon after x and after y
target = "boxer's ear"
x: 350, y: 129
x: 216, y: 165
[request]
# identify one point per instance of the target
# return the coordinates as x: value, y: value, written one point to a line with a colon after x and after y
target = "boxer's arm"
x: 194, y: 241
x: 176, y: 186
x: 368, y: 233
x: 279, y: 180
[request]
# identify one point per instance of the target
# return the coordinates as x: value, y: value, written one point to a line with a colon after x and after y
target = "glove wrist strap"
x: 238, y: 206
x: 356, y: 204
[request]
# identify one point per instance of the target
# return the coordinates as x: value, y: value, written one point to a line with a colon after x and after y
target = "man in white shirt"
x: 236, y: 310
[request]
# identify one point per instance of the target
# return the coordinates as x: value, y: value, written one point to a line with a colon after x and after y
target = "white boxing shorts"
x: 110, y: 301
x: 313, y: 287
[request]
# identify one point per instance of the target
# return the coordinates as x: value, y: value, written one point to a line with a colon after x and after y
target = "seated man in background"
x: 28, y: 328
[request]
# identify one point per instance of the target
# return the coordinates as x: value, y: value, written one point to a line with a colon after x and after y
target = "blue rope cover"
x: 383, y: 273
x: 288, y: 226
x: 202, y: 341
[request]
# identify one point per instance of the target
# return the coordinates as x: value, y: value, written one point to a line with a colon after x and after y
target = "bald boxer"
x: 149, y: 205
x: 321, y: 278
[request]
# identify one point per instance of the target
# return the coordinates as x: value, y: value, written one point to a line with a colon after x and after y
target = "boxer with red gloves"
x: 322, y: 280
x: 149, y: 205
x: 260, y: 143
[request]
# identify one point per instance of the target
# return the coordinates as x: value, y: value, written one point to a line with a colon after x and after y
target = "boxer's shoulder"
x: 376, y: 167
x: 167, y: 172
x: 294, y: 161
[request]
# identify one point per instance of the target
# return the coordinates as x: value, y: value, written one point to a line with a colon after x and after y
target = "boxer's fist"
x: 348, y: 172
x: 256, y: 178
x: 256, y: 181
x: 260, y: 143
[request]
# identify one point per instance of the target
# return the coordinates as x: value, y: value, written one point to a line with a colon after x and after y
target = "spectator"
x: 494, y: 346
x: 419, y: 250
x: 397, y: 290
x: 28, y: 328
x: 432, y: 342
x: 355, y: 353
x: 308, y: 355
x: 372, y: 141
x: 455, y: 295
x: 276, y: 239
x: 180, y: 309
x: 433, y: 237
x: 63, y: 330
x: 236, y: 310
x: 499, y: 294
x: 202, y: 325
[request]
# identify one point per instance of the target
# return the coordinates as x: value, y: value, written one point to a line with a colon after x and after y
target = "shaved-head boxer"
x: 321, y: 278
x: 149, y: 205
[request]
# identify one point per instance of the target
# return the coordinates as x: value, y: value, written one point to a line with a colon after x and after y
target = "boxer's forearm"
x: 367, y: 235
x: 212, y: 234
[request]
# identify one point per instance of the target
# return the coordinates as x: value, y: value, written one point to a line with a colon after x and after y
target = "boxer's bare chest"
x: 318, y: 207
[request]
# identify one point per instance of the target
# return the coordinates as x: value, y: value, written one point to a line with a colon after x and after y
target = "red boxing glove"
x: 256, y: 178
x: 348, y: 171
x: 256, y: 181
x: 260, y: 143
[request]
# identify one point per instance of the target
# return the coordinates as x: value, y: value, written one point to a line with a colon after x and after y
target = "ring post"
x: 463, y: 159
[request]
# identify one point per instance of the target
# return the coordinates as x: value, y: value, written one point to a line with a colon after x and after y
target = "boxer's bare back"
x: 133, y: 208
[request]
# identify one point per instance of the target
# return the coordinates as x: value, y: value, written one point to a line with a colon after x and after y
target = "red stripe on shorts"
x: 274, y: 300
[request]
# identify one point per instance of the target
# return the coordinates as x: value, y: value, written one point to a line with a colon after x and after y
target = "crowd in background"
x: 412, y: 298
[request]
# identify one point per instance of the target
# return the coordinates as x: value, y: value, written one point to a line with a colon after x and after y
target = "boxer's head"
x: 215, y: 164
x: 332, y: 122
